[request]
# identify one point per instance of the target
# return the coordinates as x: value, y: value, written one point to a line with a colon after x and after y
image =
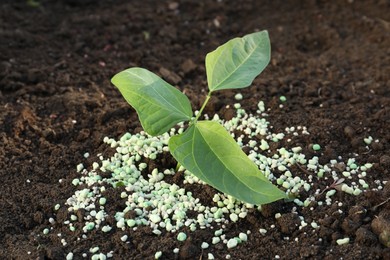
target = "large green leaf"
x: 159, y: 105
x: 236, y: 63
x: 208, y: 151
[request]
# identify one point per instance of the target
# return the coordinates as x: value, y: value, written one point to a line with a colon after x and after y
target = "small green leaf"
x: 208, y: 151
x: 119, y: 184
x: 236, y: 63
x: 159, y: 105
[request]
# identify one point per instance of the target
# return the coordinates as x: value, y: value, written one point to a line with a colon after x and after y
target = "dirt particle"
x: 336, y: 236
x: 48, y: 133
x: 5, y: 67
x: 336, y: 224
x: 379, y: 224
x: 188, y: 66
x: 381, y: 227
x: 38, y: 217
x: 62, y: 214
x: 214, y: 104
x: 309, y: 251
x: 131, y: 214
x: 269, y: 210
x: 55, y: 253
x: 173, y: 5
x: 80, y: 214
x: 365, y: 237
x: 327, y: 221
x: 34, y: 76
x: 377, y: 146
x: 252, y: 219
x: 340, y: 166
x: 326, y: 233
x: 288, y: 223
x: 228, y: 113
x: 386, y: 190
x: 329, y: 154
x: 384, y: 238
x: 170, y: 76
x: 27, y: 222
x: 83, y: 134
x: 356, y: 142
x: 357, y: 213
x: 189, y: 251
x: 384, y: 161
x: 349, y: 132
x: 349, y: 226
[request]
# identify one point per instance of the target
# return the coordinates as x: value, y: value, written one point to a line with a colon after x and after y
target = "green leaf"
x: 208, y: 151
x: 159, y: 105
x: 236, y: 63
x: 119, y: 184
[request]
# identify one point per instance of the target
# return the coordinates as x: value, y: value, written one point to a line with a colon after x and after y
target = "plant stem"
x: 196, y: 119
x: 201, y: 109
x: 177, y: 166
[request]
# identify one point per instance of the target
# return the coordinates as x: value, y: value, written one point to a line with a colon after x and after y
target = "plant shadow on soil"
x: 329, y: 59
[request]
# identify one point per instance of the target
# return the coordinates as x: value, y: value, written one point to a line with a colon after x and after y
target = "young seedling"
x: 335, y: 185
x: 205, y: 148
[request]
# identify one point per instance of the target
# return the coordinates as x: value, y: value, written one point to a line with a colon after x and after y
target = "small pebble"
x: 342, y: 241
x: 106, y: 229
x: 181, y: 236
x: 204, y: 245
x: 215, y: 240
x: 124, y: 238
x: 238, y: 96
x: 262, y: 231
x: 243, y: 237
x: 69, y: 256
x: 316, y: 147
x: 232, y: 243
x: 102, y: 201
x: 233, y: 217
x: 155, y: 218
x: 94, y: 249
x: 368, y: 140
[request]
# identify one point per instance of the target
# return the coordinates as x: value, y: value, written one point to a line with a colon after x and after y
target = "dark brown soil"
x: 331, y: 59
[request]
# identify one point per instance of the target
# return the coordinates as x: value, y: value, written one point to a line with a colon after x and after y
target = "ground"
x: 330, y: 59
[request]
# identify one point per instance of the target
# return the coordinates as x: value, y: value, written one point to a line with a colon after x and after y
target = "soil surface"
x: 330, y: 59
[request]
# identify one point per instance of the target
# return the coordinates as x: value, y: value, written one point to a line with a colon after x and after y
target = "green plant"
x: 205, y: 148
